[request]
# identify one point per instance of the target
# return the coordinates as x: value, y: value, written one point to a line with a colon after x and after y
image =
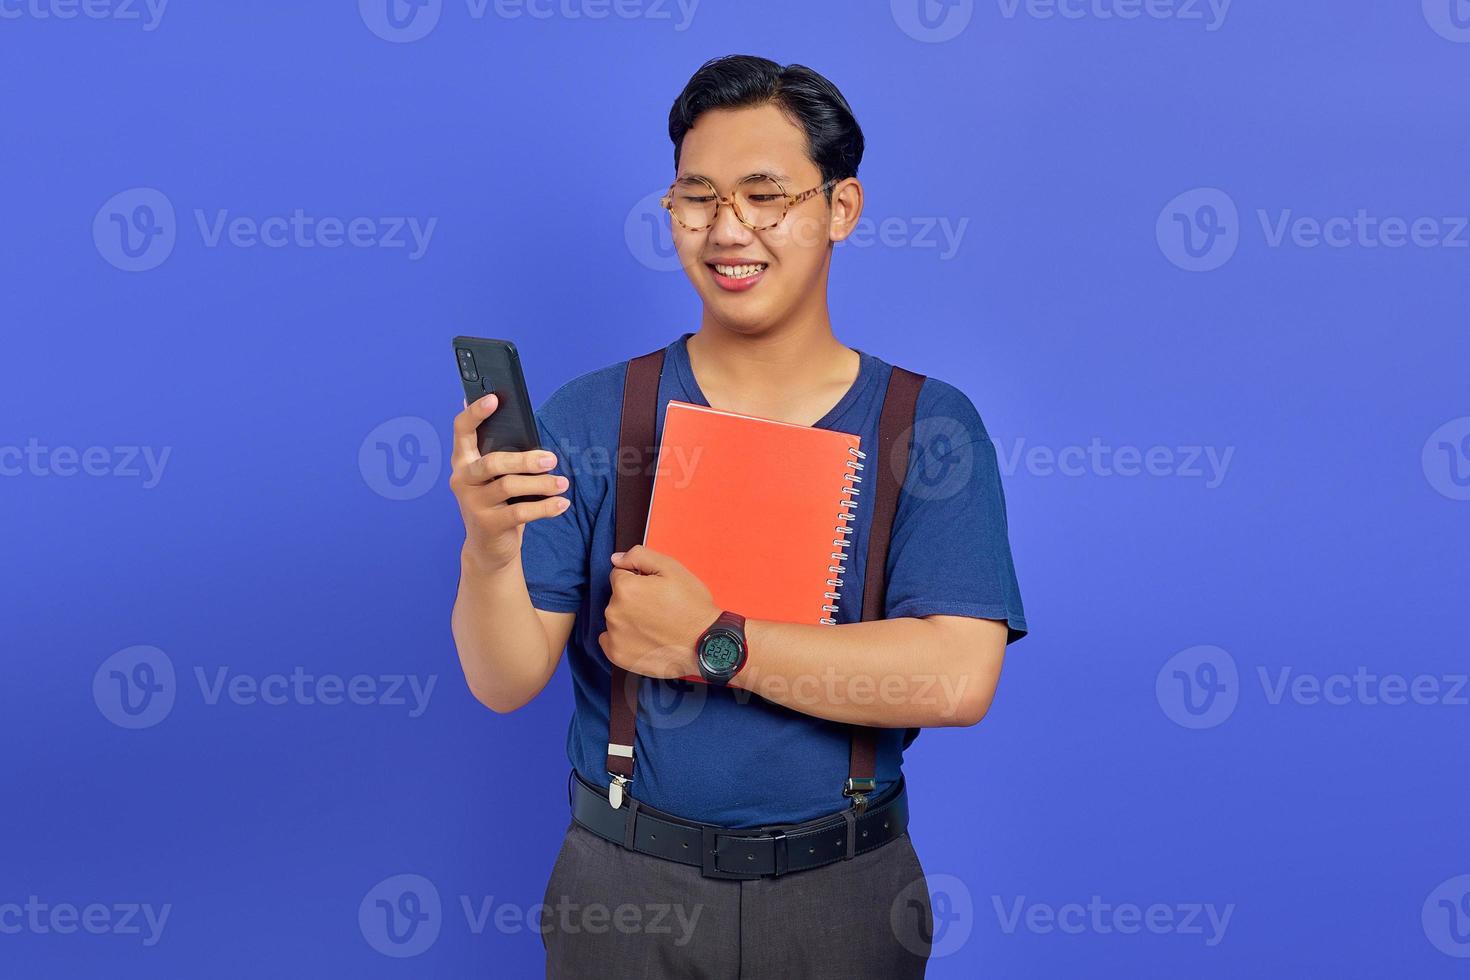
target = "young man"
x: 759, y: 778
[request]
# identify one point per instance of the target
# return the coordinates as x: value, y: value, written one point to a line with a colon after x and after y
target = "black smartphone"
x: 487, y: 365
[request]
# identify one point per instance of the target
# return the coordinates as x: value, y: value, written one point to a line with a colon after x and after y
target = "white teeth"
x: 739, y: 271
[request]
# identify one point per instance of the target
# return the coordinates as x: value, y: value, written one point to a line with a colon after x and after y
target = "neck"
x: 794, y: 372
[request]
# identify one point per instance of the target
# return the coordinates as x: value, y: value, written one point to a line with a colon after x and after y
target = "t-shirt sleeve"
x: 555, y: 550
x: 950, y: 550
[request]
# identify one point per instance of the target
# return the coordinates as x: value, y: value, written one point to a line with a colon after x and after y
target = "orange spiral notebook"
x: 759, y: 510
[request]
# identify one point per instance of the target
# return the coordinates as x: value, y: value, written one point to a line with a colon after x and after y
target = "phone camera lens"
x: 467, y: 367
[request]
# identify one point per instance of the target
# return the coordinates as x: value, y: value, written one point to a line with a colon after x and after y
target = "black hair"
x: 834, y: 139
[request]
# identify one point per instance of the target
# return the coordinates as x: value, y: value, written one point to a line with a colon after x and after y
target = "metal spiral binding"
x: 846, y: 521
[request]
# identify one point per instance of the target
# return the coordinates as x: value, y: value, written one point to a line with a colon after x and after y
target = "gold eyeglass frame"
x: 792, y: 200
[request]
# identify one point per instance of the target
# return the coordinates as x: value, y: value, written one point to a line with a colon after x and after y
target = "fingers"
x: 536, y: 510
x: 466, y: 442
x: 493, y: 466
x: 522, y: 485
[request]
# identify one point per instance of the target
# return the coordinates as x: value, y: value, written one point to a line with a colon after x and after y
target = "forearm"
x: 887, y: 673
x: 501, y: 642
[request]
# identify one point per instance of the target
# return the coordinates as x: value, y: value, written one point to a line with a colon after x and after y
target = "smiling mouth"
x: 738, y: 272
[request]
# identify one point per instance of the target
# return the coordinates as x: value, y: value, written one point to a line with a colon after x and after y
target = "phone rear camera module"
x: 467, y: 367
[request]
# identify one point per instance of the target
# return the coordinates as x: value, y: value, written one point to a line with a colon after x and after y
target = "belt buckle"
x: 707, y: 857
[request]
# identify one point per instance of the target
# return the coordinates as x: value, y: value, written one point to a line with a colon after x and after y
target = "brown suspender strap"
x: 883, y: 478
x: 634, y: 474
x: 637, y: 453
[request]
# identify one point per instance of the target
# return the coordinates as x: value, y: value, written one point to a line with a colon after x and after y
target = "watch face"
x: 721, y: 652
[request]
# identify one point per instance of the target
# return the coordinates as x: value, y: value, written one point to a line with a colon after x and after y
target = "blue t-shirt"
x: 724, y: 755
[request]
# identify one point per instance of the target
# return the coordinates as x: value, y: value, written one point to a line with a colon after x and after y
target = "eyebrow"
x: 759, y: 173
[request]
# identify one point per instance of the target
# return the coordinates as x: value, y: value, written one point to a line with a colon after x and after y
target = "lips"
x: 737, y: 276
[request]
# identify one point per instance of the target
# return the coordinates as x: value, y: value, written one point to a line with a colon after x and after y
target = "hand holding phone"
x: 499, y: 473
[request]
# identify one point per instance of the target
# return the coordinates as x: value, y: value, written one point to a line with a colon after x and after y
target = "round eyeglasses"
x: 759, y: 201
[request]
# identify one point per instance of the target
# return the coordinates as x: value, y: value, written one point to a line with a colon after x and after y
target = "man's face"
x: 725, y: 146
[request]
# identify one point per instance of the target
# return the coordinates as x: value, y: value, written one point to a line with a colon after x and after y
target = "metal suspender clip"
x: 615, y: 789
x: 858, y: 788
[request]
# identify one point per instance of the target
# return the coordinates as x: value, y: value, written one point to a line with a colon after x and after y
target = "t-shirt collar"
x: 679, y: 353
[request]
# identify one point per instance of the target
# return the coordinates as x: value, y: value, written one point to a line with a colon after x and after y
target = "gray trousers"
x: 613, y: 913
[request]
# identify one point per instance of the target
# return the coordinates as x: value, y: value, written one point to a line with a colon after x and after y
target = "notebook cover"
x: 753, y: 507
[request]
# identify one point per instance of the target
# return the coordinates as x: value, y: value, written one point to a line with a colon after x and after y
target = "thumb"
x: 641, y: 559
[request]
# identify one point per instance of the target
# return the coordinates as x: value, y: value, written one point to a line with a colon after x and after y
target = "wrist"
x: 473, y: 564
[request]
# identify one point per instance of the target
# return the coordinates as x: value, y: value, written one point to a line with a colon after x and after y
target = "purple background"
x: 1332, y: 543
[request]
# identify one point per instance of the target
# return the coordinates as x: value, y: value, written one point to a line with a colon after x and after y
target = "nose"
x: 727, y: 229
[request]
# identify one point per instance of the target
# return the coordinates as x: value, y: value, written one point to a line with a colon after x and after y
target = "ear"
x: 847, y: 208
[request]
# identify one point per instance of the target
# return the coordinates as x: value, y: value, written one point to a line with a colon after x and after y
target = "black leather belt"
x: 721, y: 852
